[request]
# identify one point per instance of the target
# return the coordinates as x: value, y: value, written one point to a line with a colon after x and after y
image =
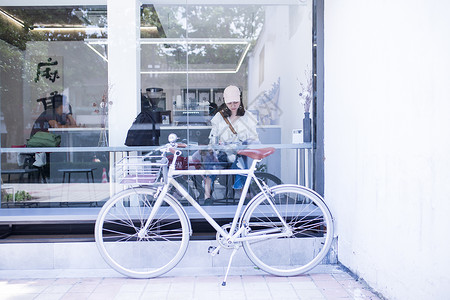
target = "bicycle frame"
x: 279, y: 219
x: 233, y: 235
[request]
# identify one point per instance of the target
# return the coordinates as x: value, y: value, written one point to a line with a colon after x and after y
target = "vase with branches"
x: 306, y: 90
x: 102, y: 109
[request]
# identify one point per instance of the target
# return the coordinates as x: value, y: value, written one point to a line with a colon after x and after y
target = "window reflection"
x: 190, y: 52
x: 53, y: 82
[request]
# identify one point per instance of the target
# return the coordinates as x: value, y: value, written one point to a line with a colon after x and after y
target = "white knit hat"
x: 232, y: 94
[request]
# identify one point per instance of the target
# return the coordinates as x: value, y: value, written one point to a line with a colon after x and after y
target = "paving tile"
x: 83, y: 287
x: 20, y: 288
x: 206, y: 295
x: 57, y: 289
x: 21, y: 297
x: 299, y: 278
x: 319, y: 277
x: 215, y: 279
x: 281, y: 288
x: 132, y: 287
x: 76, y: 296
x: 286, y: 295
x: 324, y: 286
x: 207, y: 286
x: 161, y: 279
x: 114, y: 280
x: 102, y: 295
x: 310, y: 294
x: 180, y: 295
x: 256, y: 287
x: 335, y: 293
x: 232, y: 294
x: 187, y: 287
x: 276, y: 279
x: 157, y: 287
x: 153, y: 296
x: 91, y: 280
x: 328, y: 284
x: 233, y: 281
x: 42, y: 281
x: 342, y: 276
x: 19, y: 281
x: 45, y: 296
x: 64, y: 281
x: 246, y: 279
x: 304, y: 285
x: 127, y: 296
x: 232, y: 286
x: 107, y: 288
x: 258, y: 296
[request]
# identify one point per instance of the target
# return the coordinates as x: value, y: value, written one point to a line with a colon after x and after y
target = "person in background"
x: 60, y: 116
x: 232, y: 126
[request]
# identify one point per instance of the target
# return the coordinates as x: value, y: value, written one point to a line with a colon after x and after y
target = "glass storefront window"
x: 196, y: 50
x: 189, y: 52
x: 49, y: 72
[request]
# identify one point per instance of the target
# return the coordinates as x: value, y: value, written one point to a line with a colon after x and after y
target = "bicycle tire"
x: 164, y: 243
x: 307, y: 216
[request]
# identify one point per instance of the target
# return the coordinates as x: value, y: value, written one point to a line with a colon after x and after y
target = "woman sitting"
x: 232, y: 126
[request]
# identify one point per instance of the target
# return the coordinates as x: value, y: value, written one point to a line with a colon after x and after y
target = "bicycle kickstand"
x: 236, y: 248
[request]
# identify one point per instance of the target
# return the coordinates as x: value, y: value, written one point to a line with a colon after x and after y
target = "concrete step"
x: 84, y: 255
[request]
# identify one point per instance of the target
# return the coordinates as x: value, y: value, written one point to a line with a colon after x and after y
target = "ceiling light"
x: 69, y: 29
x: 11, y: 18
x: 196, y: 41
x: 96, y: 52
x: 229, y: 71
x: 193, y: 41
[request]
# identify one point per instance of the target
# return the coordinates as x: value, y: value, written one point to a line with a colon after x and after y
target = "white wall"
x: 387, y: 142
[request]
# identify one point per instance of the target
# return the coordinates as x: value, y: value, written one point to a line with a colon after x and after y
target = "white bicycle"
x: 143, y: 231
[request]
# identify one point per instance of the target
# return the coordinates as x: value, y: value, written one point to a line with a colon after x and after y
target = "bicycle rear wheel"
x: 309, y: 221
x: 156, y: 252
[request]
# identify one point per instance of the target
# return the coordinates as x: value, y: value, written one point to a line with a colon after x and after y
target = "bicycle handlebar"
x: 173, y: 150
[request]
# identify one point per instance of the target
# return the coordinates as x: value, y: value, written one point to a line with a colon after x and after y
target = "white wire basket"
x: 142, y: 170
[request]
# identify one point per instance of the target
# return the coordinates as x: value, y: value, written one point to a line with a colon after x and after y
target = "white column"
x: 123, y: 67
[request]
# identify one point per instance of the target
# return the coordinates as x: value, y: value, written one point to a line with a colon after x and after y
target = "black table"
x: 70, y: 171
x: 29, y: 172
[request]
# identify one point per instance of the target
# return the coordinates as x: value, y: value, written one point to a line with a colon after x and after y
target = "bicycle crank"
x: 222, y: 240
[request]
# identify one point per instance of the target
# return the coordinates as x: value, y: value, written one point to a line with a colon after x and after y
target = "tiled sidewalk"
x: 334, y: 285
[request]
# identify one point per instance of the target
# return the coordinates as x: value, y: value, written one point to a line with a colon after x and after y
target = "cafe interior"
x: 188, y: 53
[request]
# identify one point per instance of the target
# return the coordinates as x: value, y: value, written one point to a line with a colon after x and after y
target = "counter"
x: 79, y: 136
x: 268, y: 134
x: 199, y: 134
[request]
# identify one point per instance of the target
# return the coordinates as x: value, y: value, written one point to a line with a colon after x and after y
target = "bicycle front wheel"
x: 307, y: 240
x: 151, y: 253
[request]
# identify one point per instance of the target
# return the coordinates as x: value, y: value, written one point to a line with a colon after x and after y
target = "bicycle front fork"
x: 159, y: 195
